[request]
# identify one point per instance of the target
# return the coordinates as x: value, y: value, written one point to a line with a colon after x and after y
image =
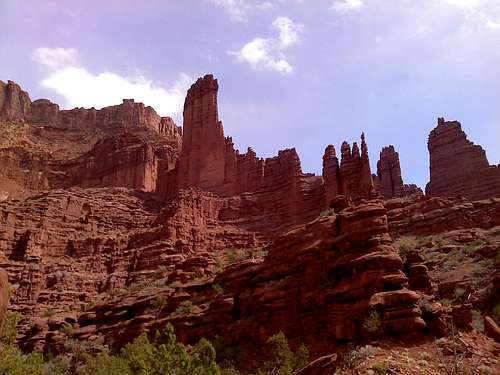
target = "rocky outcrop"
x: 421, y: 215
x: 388, y: 181
x: 352, y: 177
x: 127, y: 145
x: 72, y: 245
x: 14, y: 102
x: 209, y: 161
x: 319, y: 284
x: 458, y: 167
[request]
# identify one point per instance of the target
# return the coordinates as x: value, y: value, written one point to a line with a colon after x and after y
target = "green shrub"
x: 477, y: 321
x: 496, y: 313
x: 217, y: 288
x: 234, y: 255
x: 356, y: 356
x: 380, y: 368
x: 14, y: 362
x: 283, y: 361
x: 459, y: 293
x: 48, y: 313
x: 328, y: 212
x: 185, y: 307
x: 159, y: 302
x: 8, y: 330
x: 445, y: 302
x: 372, y: 322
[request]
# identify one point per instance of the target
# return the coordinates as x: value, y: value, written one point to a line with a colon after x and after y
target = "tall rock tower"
x: 202, y: 161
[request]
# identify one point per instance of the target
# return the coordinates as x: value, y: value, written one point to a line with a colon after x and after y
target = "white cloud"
x: 55, y: 58
x: 268, y: 54
x: 81, y: 88
x: 289, y: 32
x: 238, y: 9
x: 235, y: 8
x: 493, y: 25
x: 345, y: 6
x: 466, y: 4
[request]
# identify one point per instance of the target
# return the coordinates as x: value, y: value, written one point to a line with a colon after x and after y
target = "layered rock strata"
x: 458, y: 167
x: 42, y: 147
x: 421, y: 215
x: 319, y: 284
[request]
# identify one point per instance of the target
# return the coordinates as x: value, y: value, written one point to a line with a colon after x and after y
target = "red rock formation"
x: 458, y: 167
x: 318, y: 285
x: 352, y: 177
x: 331, y: 174
x: 14, y: 102
x: 388, y: 180
x: 209, y: 161
x: 126, y: 145
x: 421, y: 215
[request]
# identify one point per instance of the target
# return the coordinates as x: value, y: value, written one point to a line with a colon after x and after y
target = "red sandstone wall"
x: 126, y: 145
x: 458, y: 167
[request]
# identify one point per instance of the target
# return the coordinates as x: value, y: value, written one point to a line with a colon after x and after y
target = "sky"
x: 292, y: 73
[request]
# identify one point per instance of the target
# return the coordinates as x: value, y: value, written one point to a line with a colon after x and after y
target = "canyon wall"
x: 458, y: 167
x: 43, y: 147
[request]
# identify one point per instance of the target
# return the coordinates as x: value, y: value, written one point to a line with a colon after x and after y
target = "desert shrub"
x: 104, y: 364
x: 185, y: 307
x: 259, y: 253
x: 234, y: 255
x: 445, y: 302
x: 217, y: 288
x: 14, y: 362
x: 477, y: 321
x: 57, y: 366
x: 372, y: 322
x: 356, y: 356
x: 283, y: 360
x: 48, y: 313
x: 301, y: 357
x: 328, y: 212
x: 380, y: 368
x: 158, y: 302
x: 404, y: 248
x: 8, y: 330
x: 228, y: 354
x: 496, y: 313
x: 459, y: 293
x: 67, y: 329
x: 162, y: 270
x: 203, y: 359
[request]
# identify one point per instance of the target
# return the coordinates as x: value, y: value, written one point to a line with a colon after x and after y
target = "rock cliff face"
x: 388, y: 181
x: 352, y: 177
x: 43, y: 147
x: 458, y: 167
x: 349, y: 255
x: 106, y: 213
x: 275, y: 186
x: 14, y: 102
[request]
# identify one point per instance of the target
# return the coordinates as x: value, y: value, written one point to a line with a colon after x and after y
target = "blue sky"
x: 291, y: 73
